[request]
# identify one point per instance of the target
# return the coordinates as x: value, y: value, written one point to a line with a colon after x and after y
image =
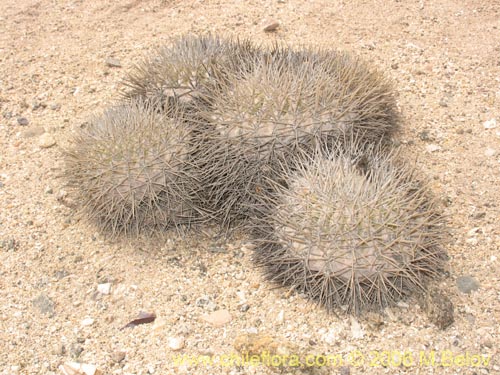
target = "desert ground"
x: 67, y: 291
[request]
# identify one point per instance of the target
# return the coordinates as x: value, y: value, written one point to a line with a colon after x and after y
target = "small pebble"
x: 59, y: 349
x: 44, y: 304
x: 432, y: 148
x: 271, y: 26
x: 467, y: 284
x: 490, y: 124
x: 118, y: 356
x: 23, y: 121
x: 443, y: 103
x: 9, y: 244
x: 104, y: 288
x: 36, y: 105
x: 424, y: 136
x: 245, y: 307
x: 357, y: 331
x: 87, y: 322
x: 55, y: 107
x: 489, y: 152
x: 176, y: 343
x: 75, y: 350
x: 113, y: 63
x: 218, y: 318
x: 46, y: 140
x: 439, y: 309
x: 33, y: 132
x: 281, y: 317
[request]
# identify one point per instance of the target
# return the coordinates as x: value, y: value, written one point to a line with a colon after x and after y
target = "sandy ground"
x: 444, y: 58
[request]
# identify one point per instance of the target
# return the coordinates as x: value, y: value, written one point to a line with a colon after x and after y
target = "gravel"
x: 453, y: 47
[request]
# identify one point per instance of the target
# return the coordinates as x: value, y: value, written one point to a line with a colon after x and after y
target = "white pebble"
x: 104, y: 288
x: 87, y: 322
x: 490, y: 124
x: 46, y: 140
x: 490, y: 152
x: 281, y: 317
x: 432, y: 148
x: 176, y: 343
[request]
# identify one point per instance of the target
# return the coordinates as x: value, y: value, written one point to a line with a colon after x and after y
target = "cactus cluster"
x: 354, y: 228
x: 287, y: 103
x: 293, y: 144
x: 130, y: 167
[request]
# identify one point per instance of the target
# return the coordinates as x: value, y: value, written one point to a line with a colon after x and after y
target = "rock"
x: 245, y: 307
x: 46, y: 140
x: 424, y: 136
x: 104, y: 288
x: 44, y: 304
x: 59, y: 349
x: 75, y: 350
x: 467, y: 284
x: 118, y: 356
x: 271, y: 26
x: 113, y: 63
x: 10, y: 244
x: 55, y: 107
x: 472, y: 241
x: 36, y: 105
x: 432, y: 148
x: 87, y: 322
x: 487, y: 342
x: 443, y: 103
x: 281, y: 317
x: 357, y: 331
x: 218, y: 318
x: 176, y: 343
x: 489, y: 152
x: 439, y: 308
x: 23, y: 121
x: 33, y: 132
x: 472, y: 232
x: 490, y: 124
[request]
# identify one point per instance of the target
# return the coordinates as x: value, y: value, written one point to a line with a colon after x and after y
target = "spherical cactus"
x: 129, y: 168
x: 287, y: 103
x: 351, y: 228
x: 184, y: 71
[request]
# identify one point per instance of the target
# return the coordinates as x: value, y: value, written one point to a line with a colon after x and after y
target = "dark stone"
x: 439, y: 309
x: 23, y: 121
x: 44, y: 304
x: 467, y: 284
